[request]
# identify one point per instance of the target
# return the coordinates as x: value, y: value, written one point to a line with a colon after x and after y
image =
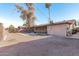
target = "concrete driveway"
x: 47, y: 46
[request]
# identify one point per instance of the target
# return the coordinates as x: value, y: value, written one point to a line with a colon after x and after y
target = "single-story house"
x: 58, y: 28
x: 40, y: 28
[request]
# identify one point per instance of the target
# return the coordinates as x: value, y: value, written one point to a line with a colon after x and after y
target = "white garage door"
x: 59, y: 30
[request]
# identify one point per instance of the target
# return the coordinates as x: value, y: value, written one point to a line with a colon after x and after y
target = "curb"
x: 66, y: 37
x: 72, y: 38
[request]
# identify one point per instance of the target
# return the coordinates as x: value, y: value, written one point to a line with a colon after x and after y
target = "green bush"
x: 74, y: 31
x: 11, y: 29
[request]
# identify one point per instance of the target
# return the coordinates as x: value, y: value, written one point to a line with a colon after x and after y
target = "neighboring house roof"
x: 73, y: 21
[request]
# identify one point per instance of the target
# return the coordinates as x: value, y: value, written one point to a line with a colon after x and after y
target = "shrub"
x: 11, y: 29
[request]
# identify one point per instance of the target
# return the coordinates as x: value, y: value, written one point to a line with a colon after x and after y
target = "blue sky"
x: 59, y: 12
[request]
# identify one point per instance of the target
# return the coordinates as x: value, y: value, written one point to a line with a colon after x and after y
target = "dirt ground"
x: 41, y: 46
x: 15, y: 38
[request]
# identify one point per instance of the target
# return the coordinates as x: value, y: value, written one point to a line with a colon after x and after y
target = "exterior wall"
x: 41, y: 29
x: 72, y: 26
x: 59, y: 30
x: 1, y: 31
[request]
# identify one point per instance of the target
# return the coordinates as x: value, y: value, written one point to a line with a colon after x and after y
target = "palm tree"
x: 48, y: 5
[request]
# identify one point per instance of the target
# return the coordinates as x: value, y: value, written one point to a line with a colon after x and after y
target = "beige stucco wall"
x: 2, y: 32
x: 59, y: 30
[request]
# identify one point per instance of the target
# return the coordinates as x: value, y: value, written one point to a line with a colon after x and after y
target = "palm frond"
x: 48, y: 5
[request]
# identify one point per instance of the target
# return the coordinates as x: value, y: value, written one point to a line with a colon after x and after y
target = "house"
x: 58, y: 28
x: 40, y: 28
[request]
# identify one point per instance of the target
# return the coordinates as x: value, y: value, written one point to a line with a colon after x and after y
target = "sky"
x: 59, y: 12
